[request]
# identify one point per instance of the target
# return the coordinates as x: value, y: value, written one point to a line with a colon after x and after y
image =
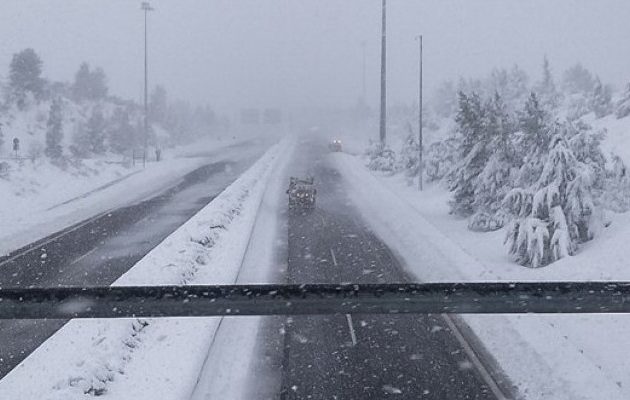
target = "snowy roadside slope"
x: 152, y: 358
x: 548, y: 357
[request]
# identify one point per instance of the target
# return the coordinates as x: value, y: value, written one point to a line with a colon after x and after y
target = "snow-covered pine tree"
x: 532, y: 141
x: 25, y: 78
x: 381, y: 157
x: 518, y: 87
x: 444, y: 100
x: 617, y: 188
x: 89, y: 85
x: 572, y: 180
x: 473, y: 153
x: 80, y: 146
x: 512, y: 86
x: 586, y: 146
x: 526, y: 236
x: 96, y: 130
x: 498, y: 174
x: 622, y: 108
x: 546, y: 88
x: 121, y: 133
x: 601, y: 101
x: 552, y: 217
x: 54, y: 131
x: 578, y: 80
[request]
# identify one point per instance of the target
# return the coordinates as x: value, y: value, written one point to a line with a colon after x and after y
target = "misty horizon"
x: 309, y: 53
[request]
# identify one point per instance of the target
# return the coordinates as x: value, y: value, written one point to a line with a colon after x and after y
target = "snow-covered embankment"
x: 153, y: 358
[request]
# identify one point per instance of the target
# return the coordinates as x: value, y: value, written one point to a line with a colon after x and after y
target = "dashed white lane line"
x: 353, y: 335
x: 334, y: 259
x: 83, y: 256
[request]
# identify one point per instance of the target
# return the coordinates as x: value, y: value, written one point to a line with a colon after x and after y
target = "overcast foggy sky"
x: 230, y: 53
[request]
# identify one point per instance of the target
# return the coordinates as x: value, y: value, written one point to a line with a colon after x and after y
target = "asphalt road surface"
x: 98, y: 251
x: 360, y: 356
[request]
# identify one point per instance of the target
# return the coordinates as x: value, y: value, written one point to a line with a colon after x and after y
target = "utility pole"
x: 146, y: 7
x: 420, y: 169
x: 383, y: 128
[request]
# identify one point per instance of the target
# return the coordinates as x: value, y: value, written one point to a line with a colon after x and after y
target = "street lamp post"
x: 383, y: 128
x: 146, y: 7
x: 420, y: 169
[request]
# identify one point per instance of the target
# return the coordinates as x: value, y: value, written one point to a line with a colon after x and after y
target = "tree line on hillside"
x: 519, y: 156
x: 105, y: 123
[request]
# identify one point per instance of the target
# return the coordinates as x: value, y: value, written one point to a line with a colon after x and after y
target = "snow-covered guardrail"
x: 429, y: 298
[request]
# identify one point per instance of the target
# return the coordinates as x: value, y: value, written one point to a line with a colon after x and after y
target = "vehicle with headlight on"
x: 335, y: 145
x: 302, y: 193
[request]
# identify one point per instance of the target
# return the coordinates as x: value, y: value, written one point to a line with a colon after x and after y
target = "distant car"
x: 335, y: 145
x: 301, y: 193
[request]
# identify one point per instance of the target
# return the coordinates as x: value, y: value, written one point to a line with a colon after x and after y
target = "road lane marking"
x: 353, y: 336
x: 485, y: 375
x: 332, y: 253
x: 83, y: 256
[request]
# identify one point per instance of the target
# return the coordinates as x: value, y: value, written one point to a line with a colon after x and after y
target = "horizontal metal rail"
x: 198, y: 301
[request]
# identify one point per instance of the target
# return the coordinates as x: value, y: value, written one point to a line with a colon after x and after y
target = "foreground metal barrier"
x: 431, y: 298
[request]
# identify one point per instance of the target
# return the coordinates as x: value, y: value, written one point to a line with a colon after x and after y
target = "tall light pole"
x: 419, y: 38
x: 383, y: 128
x: 146, y: 7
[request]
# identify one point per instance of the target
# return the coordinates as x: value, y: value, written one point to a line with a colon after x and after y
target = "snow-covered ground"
x: 37, y: 199
x: 114, y: 356
x: 546, y: 356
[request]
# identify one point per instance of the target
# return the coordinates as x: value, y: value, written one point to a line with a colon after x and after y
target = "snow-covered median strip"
x: 547, y: 356
x: 152, y: 358
x: 37, y: 202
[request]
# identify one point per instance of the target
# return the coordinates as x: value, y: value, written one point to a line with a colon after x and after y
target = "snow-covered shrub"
x: 483, y: 221
x: 4, y: 169
x: 440, y: 158
x: 381, y: 158
x: 408, y: 157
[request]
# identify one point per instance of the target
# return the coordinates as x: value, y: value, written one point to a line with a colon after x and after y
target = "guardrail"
x: 204, y: 301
